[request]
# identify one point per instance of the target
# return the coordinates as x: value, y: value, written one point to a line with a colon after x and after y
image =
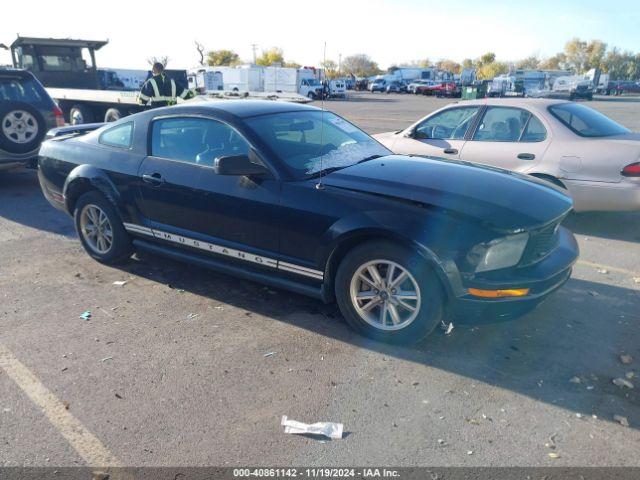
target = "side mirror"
x: 237, y: 165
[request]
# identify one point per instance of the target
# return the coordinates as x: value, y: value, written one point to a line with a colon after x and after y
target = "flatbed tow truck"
x: 67, y: 69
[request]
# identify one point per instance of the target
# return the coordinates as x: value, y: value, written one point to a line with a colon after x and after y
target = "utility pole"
x: 339, y: 64
x: 254, y: 47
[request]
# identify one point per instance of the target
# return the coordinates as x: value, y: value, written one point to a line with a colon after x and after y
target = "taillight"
x: 632, y: 170
x: 59, y: 116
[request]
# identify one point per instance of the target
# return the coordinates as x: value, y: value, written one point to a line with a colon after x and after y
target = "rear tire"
x: 389, y: 310
x: 96, y: 218
x: 80, y: 114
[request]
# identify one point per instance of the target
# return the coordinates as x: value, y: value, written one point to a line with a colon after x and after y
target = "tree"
x: 492, y: 69
x: 330, y: 68
x: 164, y: 60
x: 595, y: 50
x: 291, y: 65
x: 531, y: 62
x: 217, y: 58
x: 467, y: 63
x: 200, y: 49
x: 449, y: 66
x: 360, y: 65
x: 486, y: 59
x: 557, y: 62
x: 270, y: 56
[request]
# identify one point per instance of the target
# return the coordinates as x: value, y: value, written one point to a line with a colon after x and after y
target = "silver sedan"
x: 566, y: 143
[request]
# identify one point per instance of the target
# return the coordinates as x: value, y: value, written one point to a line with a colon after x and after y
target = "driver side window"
x: 450, y: 124
x: 195, y: 140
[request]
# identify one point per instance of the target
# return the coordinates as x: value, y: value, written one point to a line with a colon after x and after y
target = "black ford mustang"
x: 298, y: 198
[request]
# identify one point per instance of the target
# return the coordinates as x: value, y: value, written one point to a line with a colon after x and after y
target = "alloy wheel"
x: 385, y: 295
x: 96, y: 229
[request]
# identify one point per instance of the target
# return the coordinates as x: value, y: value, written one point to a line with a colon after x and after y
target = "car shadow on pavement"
x: 22, y: 202
x: 565, y: 353
x: 612, y: 225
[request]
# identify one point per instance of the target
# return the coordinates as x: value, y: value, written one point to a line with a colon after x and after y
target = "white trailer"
x: 205, y: 79
x: 244, y: 78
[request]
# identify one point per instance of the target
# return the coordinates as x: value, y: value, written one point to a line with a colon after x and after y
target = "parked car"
x: 337, y: 88
x: 26, y: 113
x: 298, y: 198
x: 378, y: 85
x: 446, y: 89
x: 426, y: 88
x: 411, y: 88
x: 396, y: 87
x: 627, y: 86
x: 568, y: 144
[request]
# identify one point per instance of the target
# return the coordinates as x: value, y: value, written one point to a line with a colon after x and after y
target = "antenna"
x: 319, y: 185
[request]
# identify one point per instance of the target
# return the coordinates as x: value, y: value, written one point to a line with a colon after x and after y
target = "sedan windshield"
x: 309, y: 142
x: 585, y: 121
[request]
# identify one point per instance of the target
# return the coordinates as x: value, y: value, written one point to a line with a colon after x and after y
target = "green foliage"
x: 271, y: 56
x: 217, y: 58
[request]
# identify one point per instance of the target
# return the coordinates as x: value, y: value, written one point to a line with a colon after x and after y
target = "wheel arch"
x: 84, y: 178
x: 550, y: 178
x: 343, y: 245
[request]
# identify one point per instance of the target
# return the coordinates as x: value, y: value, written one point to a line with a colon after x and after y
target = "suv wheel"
x: 386, y: 292
x: 100, y: 229
x: 22, y: 127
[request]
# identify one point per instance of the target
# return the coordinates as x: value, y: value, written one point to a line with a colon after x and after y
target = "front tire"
x: 100, y: 229
x: 388, y: 293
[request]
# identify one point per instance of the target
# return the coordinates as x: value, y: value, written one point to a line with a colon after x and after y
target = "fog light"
x: 513, y: 292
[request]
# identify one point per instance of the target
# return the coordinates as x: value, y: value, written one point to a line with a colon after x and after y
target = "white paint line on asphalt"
x: 607, y: 267
x: 79, y: 437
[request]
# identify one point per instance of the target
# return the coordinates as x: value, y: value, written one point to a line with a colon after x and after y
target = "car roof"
x: 514, y: 102
x: 15, y: 72
x: 240, y: 108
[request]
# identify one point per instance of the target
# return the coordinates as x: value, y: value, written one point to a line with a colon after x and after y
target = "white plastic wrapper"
x: 328, y: 429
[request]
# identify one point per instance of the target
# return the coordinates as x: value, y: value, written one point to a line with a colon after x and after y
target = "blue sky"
x: 390, y: 31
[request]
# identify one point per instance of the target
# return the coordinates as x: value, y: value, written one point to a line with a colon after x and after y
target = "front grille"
x: 541, y: 242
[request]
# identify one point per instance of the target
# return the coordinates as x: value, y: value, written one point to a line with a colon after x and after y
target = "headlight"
x: 499, y: 253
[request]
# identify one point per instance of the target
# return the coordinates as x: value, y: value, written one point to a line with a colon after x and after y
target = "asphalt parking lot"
x: 171, y: 369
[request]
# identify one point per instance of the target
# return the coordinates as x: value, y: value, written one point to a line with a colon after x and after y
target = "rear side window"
x: 23, y: 90
x: 585, y: 121
x: 119, y: 136
x: 534, y: 132
x: 195, y: 140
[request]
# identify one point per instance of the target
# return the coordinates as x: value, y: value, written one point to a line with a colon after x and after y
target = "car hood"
x: 497, y: 198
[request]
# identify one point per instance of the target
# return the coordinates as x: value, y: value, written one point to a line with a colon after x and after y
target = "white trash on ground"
x: 328, y: 429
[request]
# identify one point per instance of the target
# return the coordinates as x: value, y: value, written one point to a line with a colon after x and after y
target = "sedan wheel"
x: 100, y: 229
x: 385, y: 295
x: 96, y: 229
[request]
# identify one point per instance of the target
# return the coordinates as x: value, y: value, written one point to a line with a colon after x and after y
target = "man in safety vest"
x: 160, y: 90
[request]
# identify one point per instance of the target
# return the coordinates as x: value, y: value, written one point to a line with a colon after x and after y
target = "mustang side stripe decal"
x: 229, y: 252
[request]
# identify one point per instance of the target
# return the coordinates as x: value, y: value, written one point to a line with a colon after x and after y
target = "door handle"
x: 451, y: 151
x: 154, y: 179
x: 526, y: 156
